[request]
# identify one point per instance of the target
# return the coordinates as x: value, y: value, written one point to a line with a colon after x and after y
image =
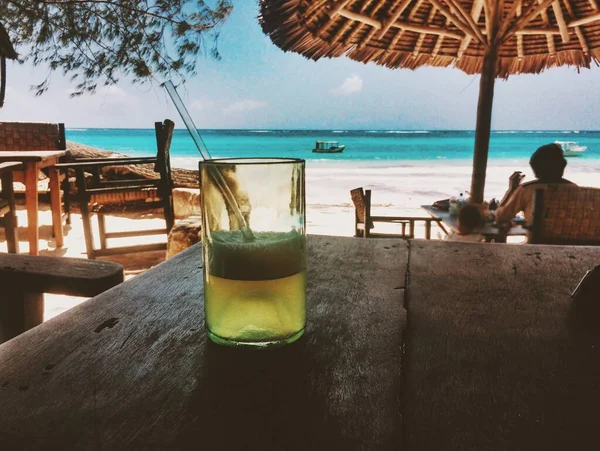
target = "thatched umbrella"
x: 495, y: 38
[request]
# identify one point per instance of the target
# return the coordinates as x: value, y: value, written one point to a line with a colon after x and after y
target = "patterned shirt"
x: 522, y: 200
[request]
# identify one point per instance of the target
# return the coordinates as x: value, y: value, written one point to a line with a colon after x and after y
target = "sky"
x: 258, y: 86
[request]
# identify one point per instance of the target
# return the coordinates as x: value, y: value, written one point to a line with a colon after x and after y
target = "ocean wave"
x: 261, y: 131
x: 407, y: 132
x: 76, y: 129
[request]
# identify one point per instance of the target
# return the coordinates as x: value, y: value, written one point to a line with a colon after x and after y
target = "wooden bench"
x: 364, y: 221
x: 25, y: 278
x: 102, y: 195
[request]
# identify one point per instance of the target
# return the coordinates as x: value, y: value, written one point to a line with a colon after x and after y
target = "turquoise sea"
x: 361, y: 145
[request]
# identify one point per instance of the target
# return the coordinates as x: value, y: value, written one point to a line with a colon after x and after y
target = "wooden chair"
x: 25, y: 278
x: 566, y: 214
x: 17, y: 136
x: 8, y: 217
x: 364, y: 221
x: 24, y: 136
x: 101, y: 195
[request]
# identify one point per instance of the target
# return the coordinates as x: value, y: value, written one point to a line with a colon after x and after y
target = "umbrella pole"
x: 484, y: 123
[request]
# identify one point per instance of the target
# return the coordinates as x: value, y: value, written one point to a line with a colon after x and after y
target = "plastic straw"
x: 213, y: 172
x: 187, y: 119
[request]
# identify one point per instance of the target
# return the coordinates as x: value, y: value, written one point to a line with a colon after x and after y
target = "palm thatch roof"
x: 530, y: 35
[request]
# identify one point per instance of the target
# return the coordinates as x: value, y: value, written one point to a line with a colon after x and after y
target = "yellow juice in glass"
x: 255, y: 292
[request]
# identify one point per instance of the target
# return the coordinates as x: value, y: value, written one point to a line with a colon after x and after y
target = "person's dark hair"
x: 548, y: 163
x: 469, y: 217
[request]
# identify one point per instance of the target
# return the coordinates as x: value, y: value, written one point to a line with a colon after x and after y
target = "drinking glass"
x: 254, y: 249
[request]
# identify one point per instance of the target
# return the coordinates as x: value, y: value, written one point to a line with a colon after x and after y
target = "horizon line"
x: 562, y: 130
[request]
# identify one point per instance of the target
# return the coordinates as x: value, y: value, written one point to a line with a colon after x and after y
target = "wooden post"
x: 367, y: 230
x: 10, y: 218
x: 484, y: 123
x: 19, y: 311
x: 55, y: 205
x: 31, y: 202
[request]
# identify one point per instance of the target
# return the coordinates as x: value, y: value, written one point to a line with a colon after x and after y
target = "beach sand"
x: 398, y: 188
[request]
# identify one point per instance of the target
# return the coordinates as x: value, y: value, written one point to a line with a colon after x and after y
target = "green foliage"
x: 96, y: 41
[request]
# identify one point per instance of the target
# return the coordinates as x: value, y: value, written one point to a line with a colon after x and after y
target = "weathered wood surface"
x: 133, y: 369
x: 24, y: 280
x: 71, y: 276
x: 496, y: 356
x: 182, y: 178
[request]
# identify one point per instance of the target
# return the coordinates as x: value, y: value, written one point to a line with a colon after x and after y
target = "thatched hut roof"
x: 532, y: 34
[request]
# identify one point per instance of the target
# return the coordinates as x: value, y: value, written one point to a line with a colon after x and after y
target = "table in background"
x: 33, y: 161
x: 490, y: 231
x: 133, y: 369
x: 497, y: 357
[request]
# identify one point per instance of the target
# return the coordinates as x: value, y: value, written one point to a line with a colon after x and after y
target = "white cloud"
x: 201, y: 104
x: 242, y: 106
x: 108, y: 91
x: 108, y: 96
x: 351, y: 85
x: 112, y: 91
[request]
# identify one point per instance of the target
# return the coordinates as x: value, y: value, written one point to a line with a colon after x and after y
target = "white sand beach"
x: 397, y: 189
x: 400, y: 188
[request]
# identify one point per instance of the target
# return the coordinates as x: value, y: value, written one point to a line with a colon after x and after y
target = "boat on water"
x: 328, y: 147
x: 571, y: 148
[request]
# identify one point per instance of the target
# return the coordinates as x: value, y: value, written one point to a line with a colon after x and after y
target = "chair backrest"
x: 358, y: 199
x: 164, y: 136
x: 566, y: 214
x: 15, y: 136
x: 362, y: 205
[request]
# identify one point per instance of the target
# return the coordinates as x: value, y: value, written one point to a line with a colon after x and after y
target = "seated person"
x: 548, y: 164
x: 469, y: 219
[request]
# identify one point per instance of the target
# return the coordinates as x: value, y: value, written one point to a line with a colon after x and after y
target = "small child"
x: 469, y: 219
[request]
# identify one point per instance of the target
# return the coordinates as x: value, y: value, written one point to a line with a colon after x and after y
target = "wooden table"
x: 490, y: 231
x: 33, y: 161
x: 133, y: 369
x: 497, y: 357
